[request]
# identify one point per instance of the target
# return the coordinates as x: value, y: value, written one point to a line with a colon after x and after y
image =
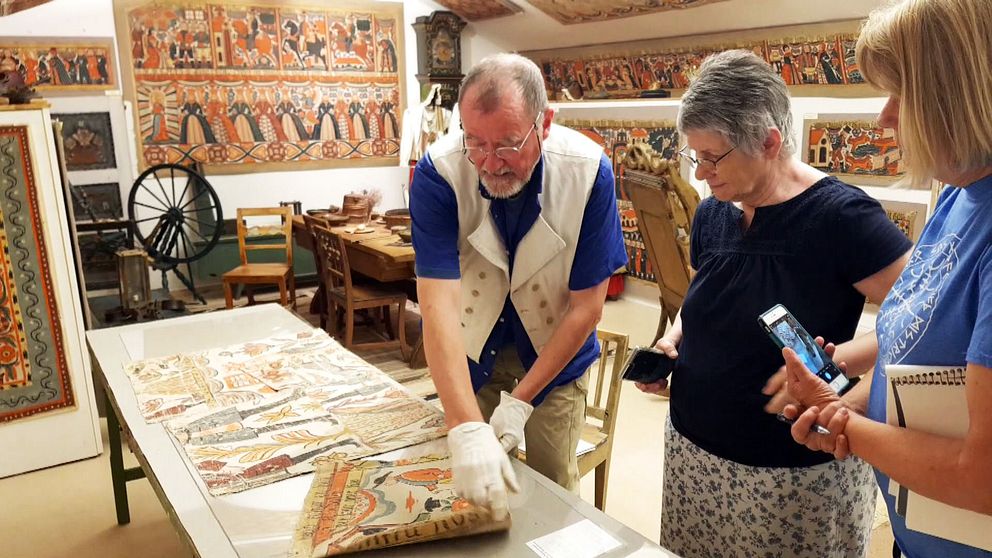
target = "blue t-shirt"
x: 939, y: 312
x: 599, y: 253
x: 805, y: 253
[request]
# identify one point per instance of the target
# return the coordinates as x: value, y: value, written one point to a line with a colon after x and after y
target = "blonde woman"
x: 934, y: 58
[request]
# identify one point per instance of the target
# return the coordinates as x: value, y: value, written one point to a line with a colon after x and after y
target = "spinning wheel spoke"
x: 198, y: 194
x: 162, y: 188
x: 165, y: 206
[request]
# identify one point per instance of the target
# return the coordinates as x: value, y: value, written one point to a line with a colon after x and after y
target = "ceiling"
x: 524, y: 25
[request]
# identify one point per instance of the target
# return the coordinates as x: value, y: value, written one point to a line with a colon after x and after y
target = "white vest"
x: 543, y: 262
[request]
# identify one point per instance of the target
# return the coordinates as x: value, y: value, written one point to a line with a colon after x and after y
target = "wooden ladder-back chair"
x: 320, y: 296
x: 343, y: 295
x: 665, y: 205
x: 601, y: 416
x: 278, y: 273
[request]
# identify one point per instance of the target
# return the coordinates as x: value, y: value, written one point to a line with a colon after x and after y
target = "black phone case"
x: 648, y: 366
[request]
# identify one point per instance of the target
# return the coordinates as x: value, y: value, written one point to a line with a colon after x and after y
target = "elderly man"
x: 516, y: 232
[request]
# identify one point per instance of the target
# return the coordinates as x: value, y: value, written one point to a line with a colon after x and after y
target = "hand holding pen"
x: 815, y: 428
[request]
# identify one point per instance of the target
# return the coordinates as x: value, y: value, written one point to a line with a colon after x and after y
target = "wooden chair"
x: 344, y: 296
x: 278, y: 273
x: 601, y: 416
x: 319, y: 297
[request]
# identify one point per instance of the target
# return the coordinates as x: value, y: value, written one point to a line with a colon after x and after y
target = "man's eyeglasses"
x: 477, y: 155
x: 706, y: 165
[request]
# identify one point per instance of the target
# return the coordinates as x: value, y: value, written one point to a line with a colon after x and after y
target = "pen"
x: 816, y: 427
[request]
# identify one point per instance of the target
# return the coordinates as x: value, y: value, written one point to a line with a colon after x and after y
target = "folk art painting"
x: 476, y: 10
x: 33, y: 373
x: 853, y: 147
x: 825, y: 60
x: 353, y: 507
x: 242, y: 83
x: 96, y: 202
x: 53, y: 65
x: 88, y: 140
x: 259, y: 412
x: 616, y: 137
x: 582, y: 11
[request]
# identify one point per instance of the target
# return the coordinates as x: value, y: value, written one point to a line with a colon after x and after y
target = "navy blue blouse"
x: 805, y: 253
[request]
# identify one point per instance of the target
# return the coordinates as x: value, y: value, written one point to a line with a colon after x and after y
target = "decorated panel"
x: 243, y: 83
x: 616, y: 137
x: 55, y: 66
x: 34, y: 377
x: 854, y: 148
x: 583, y: 11
x: 475, y: 10
x: 88, y: 140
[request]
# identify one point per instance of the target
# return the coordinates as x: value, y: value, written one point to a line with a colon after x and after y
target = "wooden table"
x: 259, y: 523
x: 379, y: 254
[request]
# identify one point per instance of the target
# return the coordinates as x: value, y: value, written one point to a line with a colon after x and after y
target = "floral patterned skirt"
x: 714, y: 507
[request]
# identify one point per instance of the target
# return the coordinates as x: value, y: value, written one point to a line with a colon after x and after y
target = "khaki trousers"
x: 552, y: 432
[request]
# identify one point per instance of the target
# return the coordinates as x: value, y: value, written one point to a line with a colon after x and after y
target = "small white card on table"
x: 580, y: 540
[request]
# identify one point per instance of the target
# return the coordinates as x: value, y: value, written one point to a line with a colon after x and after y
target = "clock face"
x: 443, y: 50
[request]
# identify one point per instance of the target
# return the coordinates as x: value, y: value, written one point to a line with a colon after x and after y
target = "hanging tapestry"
x: 34, y: 377
x: 616, y: 137
x: 89, y: 141
x: 58, y: 65
x: 475, y: 10
x: 243, y: 83
x: 857, y: 149
x: 582, y: 11
x: 364, y: 506
x: 821, y: 56
x: 259, y: 412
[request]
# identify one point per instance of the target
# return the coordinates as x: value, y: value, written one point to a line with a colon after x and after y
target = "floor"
x: 69, y: 510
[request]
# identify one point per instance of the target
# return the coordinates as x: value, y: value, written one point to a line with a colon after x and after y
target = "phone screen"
x: 648, y: 366
x: 786, y: 331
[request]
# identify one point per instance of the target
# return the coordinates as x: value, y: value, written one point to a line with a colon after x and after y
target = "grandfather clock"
x: 439, y: 54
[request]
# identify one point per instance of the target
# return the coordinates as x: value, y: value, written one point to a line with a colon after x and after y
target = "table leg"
x: 117, y: 471
x: 418, y: 359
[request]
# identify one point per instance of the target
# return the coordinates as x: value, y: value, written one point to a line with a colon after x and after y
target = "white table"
x: 260, y: 522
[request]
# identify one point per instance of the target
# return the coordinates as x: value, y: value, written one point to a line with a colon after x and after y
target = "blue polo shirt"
x: 600, y: 253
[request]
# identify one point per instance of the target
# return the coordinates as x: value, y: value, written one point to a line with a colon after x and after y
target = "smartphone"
x: 647, y: 366
x: 786, y: 331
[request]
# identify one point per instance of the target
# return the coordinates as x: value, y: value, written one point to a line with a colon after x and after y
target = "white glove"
x: 508, y: 420
x: 480, y: 468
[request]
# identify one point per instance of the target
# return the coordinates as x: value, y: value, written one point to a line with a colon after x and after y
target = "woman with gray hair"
x: 775, y: 231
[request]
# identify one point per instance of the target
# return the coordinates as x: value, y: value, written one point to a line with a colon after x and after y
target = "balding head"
x: 502, y: 79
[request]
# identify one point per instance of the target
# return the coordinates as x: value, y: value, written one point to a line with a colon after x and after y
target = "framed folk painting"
x: 88, y: 140
x: 854, y: 148
x: 60, y: 65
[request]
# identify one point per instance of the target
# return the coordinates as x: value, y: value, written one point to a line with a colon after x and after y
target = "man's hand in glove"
x: 480, y: 468
x: 508, y: 420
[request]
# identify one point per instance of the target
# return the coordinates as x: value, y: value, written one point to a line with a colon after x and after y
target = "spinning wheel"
x: 177, y: 218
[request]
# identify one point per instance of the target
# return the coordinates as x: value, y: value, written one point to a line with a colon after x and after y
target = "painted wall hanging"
x: 476, y: 10
x: 61, y: 65
x: 353, y: 507
x: 616, y: 137
x: 33, y: 374
x: 816, y: 59
x: 8, y: 7
x: 853, y: 147
x: 290, y: 86
x: 88, y: 140
x: 583, y: 11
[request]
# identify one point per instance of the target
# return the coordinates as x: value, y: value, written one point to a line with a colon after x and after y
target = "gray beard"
x: 511, y: 187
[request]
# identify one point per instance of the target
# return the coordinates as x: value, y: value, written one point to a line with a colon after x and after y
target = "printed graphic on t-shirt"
x: 906, y: 313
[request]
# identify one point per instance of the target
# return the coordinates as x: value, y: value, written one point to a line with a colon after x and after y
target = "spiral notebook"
x: 932, y: 399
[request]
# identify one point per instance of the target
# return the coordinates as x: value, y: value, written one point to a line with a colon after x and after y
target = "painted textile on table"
x: 259, y: 412
x: 363, y: 506
x: 616, y: 137
x: 33, y: 373
x: 237, y: 82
